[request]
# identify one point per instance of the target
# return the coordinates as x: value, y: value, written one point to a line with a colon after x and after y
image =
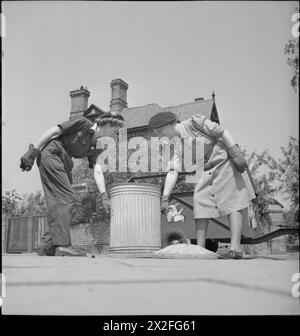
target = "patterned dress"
x: 221, y: 189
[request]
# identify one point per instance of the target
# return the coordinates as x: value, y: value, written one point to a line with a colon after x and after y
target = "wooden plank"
x: 35, y: 232
x: 17, y: 238
x: 39, y: 227
x: 29, y: 235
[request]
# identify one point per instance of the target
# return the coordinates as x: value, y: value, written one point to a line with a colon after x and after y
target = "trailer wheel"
x: 211, y: 245
x: 173, y: 237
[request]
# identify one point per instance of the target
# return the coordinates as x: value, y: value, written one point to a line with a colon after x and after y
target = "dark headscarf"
x: 162, y: 119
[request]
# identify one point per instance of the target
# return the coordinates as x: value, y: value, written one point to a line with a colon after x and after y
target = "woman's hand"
x: 27, y: 160
x: 164, y: 206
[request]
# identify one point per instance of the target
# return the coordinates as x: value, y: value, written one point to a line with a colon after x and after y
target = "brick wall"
x: 91, y: 237
x: 257, y: 249
x: 262, y: 248
x: 277, y: 245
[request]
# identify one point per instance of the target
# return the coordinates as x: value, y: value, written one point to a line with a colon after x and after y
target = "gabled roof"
x: 93, y: 111
x: 136, y: 117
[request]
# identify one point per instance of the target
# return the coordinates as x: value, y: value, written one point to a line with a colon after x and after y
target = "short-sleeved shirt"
x: 77, y: 138
x: 197, y: 126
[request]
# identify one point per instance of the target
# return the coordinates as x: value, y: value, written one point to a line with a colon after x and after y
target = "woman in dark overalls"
x: 54, y: 151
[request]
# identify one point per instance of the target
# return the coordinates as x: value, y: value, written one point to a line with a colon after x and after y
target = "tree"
x: 11, y: 203
x: 33, y: 204
x: 14, y: 204
x: 287, y: 172
x: 261, y: 167
x: 273, y: 176
x: 292, y: 50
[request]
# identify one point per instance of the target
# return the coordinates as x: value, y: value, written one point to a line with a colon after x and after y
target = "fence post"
x: 29, y: 228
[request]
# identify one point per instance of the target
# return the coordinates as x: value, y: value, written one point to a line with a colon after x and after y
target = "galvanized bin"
x: 135, y: 226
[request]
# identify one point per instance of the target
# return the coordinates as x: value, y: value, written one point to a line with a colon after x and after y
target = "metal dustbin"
x: 135, y: 225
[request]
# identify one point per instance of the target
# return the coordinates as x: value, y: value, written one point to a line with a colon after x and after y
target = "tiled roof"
x: 185, y: 111
x: 139, y: 116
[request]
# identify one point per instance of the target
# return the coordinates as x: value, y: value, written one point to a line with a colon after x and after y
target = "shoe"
x: 69, y: 251
x: 45, y: 251
x: 231, y: 254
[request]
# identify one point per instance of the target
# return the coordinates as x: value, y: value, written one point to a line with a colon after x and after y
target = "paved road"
x: 132, y: 286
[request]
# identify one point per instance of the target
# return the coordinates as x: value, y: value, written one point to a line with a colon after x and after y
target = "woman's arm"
x: 170, y: 182
x: 52, y: 132
x: 216, y: 131
x: 234, y: 152
x: 100, y: 181
x: 228, y: 139
x: 99, y: 178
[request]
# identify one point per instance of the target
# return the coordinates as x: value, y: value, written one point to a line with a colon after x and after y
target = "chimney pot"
x: 118, y: 95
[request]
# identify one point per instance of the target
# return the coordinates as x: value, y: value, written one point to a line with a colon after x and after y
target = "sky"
x: 168, y: 52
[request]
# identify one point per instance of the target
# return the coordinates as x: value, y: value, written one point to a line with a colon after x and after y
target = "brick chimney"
x: 79, y: 102
x: 118, y: 95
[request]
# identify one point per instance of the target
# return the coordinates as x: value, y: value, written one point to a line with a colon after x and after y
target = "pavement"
x: 107, y: 285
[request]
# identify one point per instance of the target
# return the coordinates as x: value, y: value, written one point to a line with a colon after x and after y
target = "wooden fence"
x: 24, y: 234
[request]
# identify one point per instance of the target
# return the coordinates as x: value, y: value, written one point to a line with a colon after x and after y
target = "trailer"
x: 218, y: 229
